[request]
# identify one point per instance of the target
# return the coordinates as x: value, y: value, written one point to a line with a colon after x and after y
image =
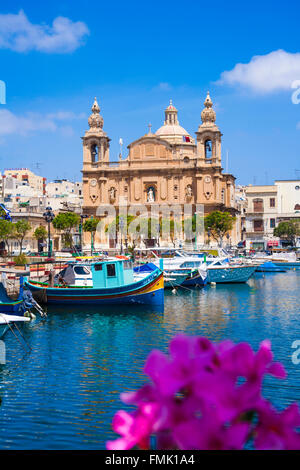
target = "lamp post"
x: 208, y: 235
x: 157, y: 233
x: 92, y: 239
x: 82, y: 216
x: 228, y: 237
x: 121, y: 223
x: 49, y: 216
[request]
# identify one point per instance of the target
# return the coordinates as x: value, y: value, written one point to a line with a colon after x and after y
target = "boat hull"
x: 195, y: 280
x: 230, y: 274
x: 147, y: 291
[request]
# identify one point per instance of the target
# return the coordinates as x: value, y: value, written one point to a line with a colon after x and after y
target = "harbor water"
x: 64, y: 392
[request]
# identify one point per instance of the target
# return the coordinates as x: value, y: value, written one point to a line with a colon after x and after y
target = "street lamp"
x: 82, y: 216
x: 49, y: 216
x: 157, y: 233
x: 121, y: 223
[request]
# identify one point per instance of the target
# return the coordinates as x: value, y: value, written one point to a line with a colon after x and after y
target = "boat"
x: 102, y: 281
x: 17, y: 301
x: 269, y: 267
x: 286, y: 260
x: 227, y: 273
x: 7, y: 321
x: 179, y: 269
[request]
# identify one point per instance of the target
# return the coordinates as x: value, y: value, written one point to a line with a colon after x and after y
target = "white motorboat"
x: 7, y: 321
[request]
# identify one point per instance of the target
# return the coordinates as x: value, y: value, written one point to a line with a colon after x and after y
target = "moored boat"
x: 229, y: 273
x: 104, y: 281
x: 13, y: 298
x: 6, y: 321
x: 269, y: 267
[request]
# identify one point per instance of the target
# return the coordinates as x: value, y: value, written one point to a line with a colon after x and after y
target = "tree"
x: 21, y: 228
x: 40, y: 233
x: 218, y: 224
x: 90, y: 225
x: 288, y: 230
x: 115, y: 227
x: 6, y: 232
x: 66, y: 221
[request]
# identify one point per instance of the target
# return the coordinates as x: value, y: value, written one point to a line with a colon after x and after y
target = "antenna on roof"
x: 37, y: 166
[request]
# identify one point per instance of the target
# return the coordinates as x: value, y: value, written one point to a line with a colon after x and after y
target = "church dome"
x: 171, y: 128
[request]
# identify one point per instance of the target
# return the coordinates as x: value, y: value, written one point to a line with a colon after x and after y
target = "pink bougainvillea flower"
x: 135, y: 429
x: 277, y: 431
x: 207, y: 396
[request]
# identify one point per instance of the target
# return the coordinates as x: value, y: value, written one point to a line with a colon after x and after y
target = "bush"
x: 21, y: 259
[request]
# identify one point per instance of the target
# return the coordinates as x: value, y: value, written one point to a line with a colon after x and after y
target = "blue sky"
x: 135, y: 56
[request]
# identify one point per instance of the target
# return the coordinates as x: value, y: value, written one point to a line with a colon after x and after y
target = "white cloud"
x: 268, y: 73
x: 163, y: 86
x: 10, y: 123
x: 18, y: 34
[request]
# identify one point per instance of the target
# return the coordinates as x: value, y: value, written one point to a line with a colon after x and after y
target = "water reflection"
x: 64, y: 393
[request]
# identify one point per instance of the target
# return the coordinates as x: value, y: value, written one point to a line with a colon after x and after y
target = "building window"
x: 272, y: 223
x: 258, y: 225
x: 223, y: 196
x: 272, y: 202
x: 208, y: 149
x: 258, y: 205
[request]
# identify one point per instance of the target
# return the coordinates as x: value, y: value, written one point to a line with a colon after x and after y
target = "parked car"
x: 16, y: 252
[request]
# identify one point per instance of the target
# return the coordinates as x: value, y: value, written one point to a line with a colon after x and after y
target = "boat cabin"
x: 99, y: 274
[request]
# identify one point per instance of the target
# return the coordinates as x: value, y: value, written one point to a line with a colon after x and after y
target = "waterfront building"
x: 260, y: 216
x: 288, y: 199
x: 168, y: 166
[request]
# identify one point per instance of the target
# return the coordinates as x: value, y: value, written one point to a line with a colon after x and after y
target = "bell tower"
x: 208, y: 137
x: 95, y: 141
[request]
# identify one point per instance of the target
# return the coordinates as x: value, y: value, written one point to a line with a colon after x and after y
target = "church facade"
x: 168, y: 166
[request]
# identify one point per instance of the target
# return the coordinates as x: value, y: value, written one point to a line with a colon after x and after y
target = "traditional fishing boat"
x: 103, y: 281
x: 13, y: 298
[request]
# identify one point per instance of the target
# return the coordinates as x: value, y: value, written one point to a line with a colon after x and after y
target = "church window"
x: 94, y: 153
x: 208, y: 149
x: 149, y: 150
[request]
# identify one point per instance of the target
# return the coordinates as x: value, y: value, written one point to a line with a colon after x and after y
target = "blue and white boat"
x: 105, y: 281
x: 269, y: 267
x: 179, y: 269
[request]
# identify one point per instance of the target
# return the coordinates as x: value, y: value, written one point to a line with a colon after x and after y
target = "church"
x: 168, y: 166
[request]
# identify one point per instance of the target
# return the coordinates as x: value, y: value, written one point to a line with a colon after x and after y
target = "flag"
x: 186, y: 138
